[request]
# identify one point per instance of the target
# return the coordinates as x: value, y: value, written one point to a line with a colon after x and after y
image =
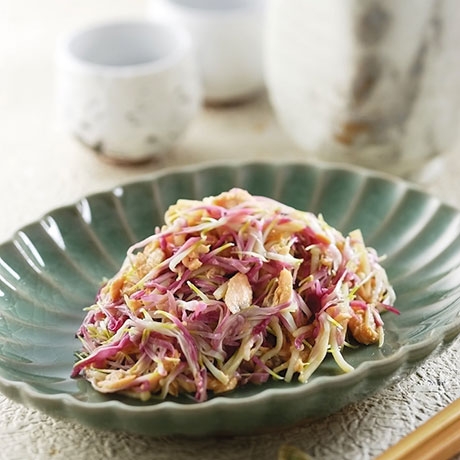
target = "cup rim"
x: 66, y: 58
x: 254, y: 6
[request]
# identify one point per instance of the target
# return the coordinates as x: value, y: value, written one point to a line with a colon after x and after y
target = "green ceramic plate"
x: 51, y: 269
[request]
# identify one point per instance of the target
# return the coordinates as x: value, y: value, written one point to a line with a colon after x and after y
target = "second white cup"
x: 228, y: 39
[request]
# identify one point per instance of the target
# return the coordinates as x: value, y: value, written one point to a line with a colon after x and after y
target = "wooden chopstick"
x: 436, y: 439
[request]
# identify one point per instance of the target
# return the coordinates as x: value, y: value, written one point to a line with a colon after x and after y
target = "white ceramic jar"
x: 227, y: 35
x: 127, y: 89
x: 374, y: 83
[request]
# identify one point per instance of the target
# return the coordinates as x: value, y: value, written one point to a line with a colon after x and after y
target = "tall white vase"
x: 374, y: 83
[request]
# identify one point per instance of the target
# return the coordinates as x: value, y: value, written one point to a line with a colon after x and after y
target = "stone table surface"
x: 43, y: 168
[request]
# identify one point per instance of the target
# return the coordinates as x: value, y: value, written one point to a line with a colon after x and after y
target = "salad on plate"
x: 231, y: 290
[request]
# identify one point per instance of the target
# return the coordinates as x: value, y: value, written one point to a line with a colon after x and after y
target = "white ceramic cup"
x: 127, y: 89
x: 375, y: 84
x: 228, y: 36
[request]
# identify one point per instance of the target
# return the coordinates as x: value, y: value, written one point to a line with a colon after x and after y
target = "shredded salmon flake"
x: 239, y: 293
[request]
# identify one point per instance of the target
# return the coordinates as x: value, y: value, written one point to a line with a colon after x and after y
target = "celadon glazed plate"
x: 52, y: 268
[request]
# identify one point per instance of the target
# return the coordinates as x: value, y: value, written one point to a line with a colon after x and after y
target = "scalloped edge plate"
x: 51, y: 269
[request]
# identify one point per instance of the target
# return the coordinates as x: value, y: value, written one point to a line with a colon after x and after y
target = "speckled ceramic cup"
x: 375, y: 84
x: 127, y: 89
